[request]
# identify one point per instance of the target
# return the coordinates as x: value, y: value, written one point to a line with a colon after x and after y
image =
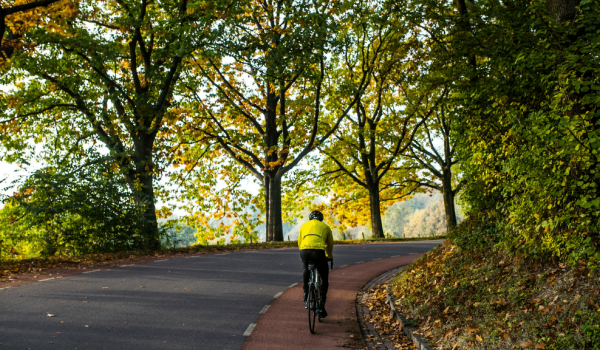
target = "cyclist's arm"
x: 329, y: 248
x: 300, y: 238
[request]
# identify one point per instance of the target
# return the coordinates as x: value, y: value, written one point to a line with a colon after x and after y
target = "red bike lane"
x: 285, y: 323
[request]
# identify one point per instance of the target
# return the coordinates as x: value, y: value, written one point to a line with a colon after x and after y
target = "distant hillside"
x: 429, y: 221
x: 401, y: 213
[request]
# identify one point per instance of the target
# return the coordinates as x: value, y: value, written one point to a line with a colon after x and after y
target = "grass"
x: 482, y: 299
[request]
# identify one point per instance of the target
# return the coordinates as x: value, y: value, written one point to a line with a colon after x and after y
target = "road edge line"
x: 249, y: 329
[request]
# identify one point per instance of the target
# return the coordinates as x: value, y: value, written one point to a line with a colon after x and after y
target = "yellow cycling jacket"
x: 316, y: 235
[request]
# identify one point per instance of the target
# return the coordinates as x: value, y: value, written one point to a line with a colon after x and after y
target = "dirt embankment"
x: 482, y: 299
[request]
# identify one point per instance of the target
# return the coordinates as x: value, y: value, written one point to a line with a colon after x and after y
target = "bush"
x: 70, y: 211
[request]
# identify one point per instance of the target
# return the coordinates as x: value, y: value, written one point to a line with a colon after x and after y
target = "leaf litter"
x: 483, y: 299
x: 386, y: 326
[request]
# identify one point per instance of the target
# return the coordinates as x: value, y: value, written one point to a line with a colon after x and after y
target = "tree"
x: 438, y: 161
x: 269, y: 85
x: 109, y: 75
x: 364, y: 159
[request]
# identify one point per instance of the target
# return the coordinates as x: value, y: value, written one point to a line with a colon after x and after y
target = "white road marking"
x: 249, y: 329
x: 47, y: 279
x: 91, y: 271
x: 161, y: 260
x: 359, y: 262
x: 277, y: 295
x: 342, y: 266
x: 264, y: 309
x: 4, y: 288
x: 291, y: 285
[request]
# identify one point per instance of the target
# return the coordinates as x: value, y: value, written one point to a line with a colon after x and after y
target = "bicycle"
x: 314, y: 301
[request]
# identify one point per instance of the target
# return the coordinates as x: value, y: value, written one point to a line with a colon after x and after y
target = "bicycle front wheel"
x: 312, y: 308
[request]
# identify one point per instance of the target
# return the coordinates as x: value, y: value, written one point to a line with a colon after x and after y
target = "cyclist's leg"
x: 305, y: 273
x: 307, y: 255
x: 323, y: 269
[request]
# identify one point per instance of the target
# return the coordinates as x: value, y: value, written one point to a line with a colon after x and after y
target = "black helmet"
x: 316, y: 215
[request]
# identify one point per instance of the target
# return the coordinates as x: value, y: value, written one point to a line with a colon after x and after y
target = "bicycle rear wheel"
x: 318, y: 303
x: 312, y: 307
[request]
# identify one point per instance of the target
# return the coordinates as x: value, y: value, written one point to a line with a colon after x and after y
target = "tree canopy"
x: 246, y: 113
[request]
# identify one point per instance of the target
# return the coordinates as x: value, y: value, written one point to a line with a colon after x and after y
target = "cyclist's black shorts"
x: 316, y: 256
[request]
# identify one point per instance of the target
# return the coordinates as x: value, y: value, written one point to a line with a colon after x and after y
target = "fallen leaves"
x: 530, y: 344
x: 50, y: 315
x: 471, y: 329
x: 487, y: 300
x: 387, y: 326
x: 526, y: 343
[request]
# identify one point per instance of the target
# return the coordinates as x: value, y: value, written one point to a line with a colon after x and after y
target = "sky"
x: 8, y: 173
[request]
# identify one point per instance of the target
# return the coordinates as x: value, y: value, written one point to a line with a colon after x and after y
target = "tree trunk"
x: 563, y: 10
x: 273, y: 205
x: 376, y: 224
x: 150, y: 222
x: 144, y: 196
x: 448, y: 195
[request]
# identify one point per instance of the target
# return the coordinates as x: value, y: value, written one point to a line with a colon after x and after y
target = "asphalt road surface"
x: 204, y: 302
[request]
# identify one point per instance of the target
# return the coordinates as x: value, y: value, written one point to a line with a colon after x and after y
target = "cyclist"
x: 316, y: 245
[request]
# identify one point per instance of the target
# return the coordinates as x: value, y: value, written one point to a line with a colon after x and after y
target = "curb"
x: 418, y: 340
x: 370, y: 335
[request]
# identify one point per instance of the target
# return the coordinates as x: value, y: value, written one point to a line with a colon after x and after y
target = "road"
x: 204, y: 302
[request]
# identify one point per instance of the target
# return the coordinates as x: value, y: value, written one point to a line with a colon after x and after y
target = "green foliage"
x: 71, y: 210
x: 524, y: 92
x: 534, y: 141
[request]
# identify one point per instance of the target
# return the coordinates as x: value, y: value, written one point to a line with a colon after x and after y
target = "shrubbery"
x: 531, y: 130
x: 72, y: 211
